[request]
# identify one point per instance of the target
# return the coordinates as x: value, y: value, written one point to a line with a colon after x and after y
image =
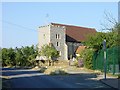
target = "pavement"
x: 111, y: 81
x: 114, y: 83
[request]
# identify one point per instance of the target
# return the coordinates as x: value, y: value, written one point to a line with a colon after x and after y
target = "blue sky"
x: 20, y: 21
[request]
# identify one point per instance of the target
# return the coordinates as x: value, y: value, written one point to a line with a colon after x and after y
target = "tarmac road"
x: 26, y: 78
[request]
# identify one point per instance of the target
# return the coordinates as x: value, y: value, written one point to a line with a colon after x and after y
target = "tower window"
x: 58, y: 43
x: 57, y: 36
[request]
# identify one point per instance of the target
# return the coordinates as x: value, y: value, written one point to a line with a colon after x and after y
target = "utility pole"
x: 105, y: 66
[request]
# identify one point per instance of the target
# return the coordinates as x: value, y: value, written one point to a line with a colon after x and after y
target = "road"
x: 26, y: 78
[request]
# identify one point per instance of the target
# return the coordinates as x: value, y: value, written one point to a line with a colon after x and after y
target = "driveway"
x: 26, y: 78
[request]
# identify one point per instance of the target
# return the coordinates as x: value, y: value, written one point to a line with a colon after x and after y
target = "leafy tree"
x: 49, y: 51
x: 19, y: 57
x: 4, y: 56
x: 95, y: 41
x: 117, y: 30
x: 6, y: 60
x: 11, y: 55
x: 23, y: 56
x: 0, y: 57
x: 29, y: 54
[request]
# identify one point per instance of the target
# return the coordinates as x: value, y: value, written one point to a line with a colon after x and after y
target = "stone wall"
x: 43, y: 36
x: 57, y: 38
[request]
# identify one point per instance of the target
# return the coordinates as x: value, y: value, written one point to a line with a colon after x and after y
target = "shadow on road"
x: 24, y: 78
x: 112, y: 82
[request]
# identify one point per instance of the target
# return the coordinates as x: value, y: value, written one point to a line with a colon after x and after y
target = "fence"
x: 112, y: 61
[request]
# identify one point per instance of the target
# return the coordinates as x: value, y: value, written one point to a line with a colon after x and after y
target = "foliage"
x: 49, y: 51
x: 118, y: 76
x: 0, y: 55
x: 87, y: 55
x: 112, y: 38
x: 23, y: 56
x: 117, y: 29
x: 94, y: 43
x: 59, y: 72
x: 42, y: 69
x: 11, y: 56
x: 5, y: 57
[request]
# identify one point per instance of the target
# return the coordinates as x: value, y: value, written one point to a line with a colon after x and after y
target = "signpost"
x: 104, y: 47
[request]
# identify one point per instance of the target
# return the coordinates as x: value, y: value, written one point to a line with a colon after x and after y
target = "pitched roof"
x: 76, y: 33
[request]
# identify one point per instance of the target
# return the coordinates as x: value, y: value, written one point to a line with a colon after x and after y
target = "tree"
x: 49, y: 51
x: 29, y: 54
x: 8, y: 57
x: 11, y: 55
x: 23, y: 56
x: 117, y: 30
x: 95, y: 41
x: 0, y: 55
x: 19, y: 57
x: 4, y: 57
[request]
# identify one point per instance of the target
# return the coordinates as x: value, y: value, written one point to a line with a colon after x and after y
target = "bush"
x: 87, y: 55
x: 118, y: 76
x: 58, y: 72
x: 42, y: 69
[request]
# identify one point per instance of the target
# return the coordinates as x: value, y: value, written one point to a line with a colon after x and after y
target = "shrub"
x: 58, y: 72
x: 118, y: 76
x: 87, y: 55
x: 42, y: 69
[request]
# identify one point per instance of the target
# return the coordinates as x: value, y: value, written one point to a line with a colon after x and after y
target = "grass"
x: 115, y: 75
x: 98, y: 72
x: 62, y: 66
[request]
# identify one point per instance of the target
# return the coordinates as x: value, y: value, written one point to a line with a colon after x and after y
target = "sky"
x: 20, y: 20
